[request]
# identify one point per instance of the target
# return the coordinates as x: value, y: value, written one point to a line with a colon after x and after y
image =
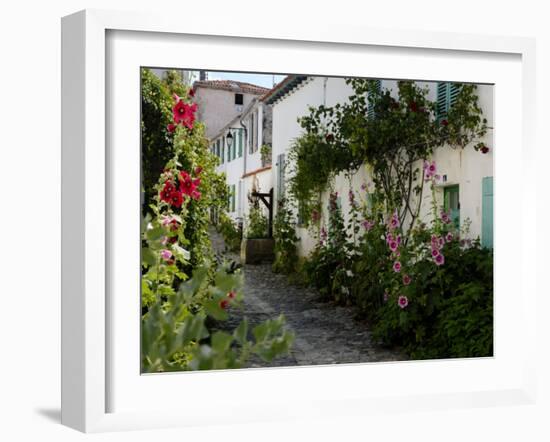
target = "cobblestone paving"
x: 325, y: 333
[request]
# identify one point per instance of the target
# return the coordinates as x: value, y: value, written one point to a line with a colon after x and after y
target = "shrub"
x: 285, y: 237
x: 231, y: 232
x: 257, y: 225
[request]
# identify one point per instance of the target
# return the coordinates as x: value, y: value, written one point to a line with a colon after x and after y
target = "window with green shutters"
x: 240, y: 142
x: 447, y: 93
x: 452, y: 204
x: 372, y: 92
x: 487, y: 212
x: 231, y: 197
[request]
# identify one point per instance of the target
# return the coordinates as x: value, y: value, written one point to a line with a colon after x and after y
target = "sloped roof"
x: 231, y: 85
x: 281, y: 89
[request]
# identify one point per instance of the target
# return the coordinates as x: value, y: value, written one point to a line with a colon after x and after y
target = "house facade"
x: 466, y: 185
x: 238, y: 145
x: 221, y: 101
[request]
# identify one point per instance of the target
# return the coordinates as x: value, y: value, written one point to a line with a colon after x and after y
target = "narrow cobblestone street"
x: 325, y: 333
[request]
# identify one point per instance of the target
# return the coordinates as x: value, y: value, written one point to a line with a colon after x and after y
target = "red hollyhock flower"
x: 166, y: 192
x: 330, y: 138
x: 224, y: 303
x: 414, y: 107
x: 188, y: 186
x: 176, y: 199
x: 184, y: 113
x: 184, y: 176
x: 484, y: 149
x: 198, y: 170
x: 191, y: 93
x: 171, y: 127
x: 444, y: 123
x: 231, y: 294
x: 196, y: 195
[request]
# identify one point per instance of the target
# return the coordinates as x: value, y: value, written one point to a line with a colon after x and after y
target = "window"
x: 280, y: 176
x: 373, y: 91
x: 240, y: 142
x: 487, y: 212
x: 447, y: 93
x: 231, y: 198
x: 251, y: 136
x: 452, y: 204
x: 238, y: 99
x: 218, y: 148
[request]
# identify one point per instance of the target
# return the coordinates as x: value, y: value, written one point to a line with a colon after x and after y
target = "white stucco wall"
x: 216, y: 107
x: 465, y: 167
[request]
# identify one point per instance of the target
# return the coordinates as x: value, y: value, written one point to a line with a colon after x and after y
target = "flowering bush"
x: 176, y: 244
x: 284, y: 233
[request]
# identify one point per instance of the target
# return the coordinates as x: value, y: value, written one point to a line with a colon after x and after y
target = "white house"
x: 466, y: 187
x: 238, y: 145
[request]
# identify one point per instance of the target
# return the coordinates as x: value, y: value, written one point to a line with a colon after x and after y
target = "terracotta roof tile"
x: 230, y: 85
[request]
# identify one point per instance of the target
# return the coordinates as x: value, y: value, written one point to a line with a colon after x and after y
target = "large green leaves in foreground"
x: 175, y: 335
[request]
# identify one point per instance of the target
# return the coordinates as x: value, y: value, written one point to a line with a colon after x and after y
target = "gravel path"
x: 325, y: 333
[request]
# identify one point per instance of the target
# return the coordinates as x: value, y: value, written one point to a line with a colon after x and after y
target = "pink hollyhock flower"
x: 449, y: 237
x: 406, y: 279
x: 397, y: 266
x: 389, y: 238
x: 398, y: 239
x: 439, y: 259
x: 176, y: 97
x: 363, y: 186
x: 432, y: 168
x: 165, y: 254
x: 435, y: 252
x: 393, y: 245
x: 402, y: 301
x: 196, y: 195
x: 368, y: 224
x: 445, y: 217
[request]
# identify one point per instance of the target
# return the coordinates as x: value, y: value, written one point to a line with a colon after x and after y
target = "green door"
x: 487, y: 212
x: 452, y: 204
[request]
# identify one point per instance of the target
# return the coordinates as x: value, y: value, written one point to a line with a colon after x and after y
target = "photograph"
x: 301, y: 220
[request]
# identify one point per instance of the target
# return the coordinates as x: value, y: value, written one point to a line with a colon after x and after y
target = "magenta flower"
x: 435, y: 252
x: 363, y: 186
x: 396, y: 266
x: 165, y: 254
x: 449, y: 237
x: 393, y: 246
x: 439, y: 259
x: 445, y: 217
x: 402, y: 301
x: 406, y: 279
x: 368, y: 224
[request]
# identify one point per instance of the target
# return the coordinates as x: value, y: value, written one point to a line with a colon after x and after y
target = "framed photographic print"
x: 290, y: 223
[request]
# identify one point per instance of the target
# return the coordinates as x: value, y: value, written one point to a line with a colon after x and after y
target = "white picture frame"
x: 86, y: 315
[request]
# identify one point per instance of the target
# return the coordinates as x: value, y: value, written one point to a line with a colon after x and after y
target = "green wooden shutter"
x: 487, y: 212
x: 373, y: 91
x: 442, y: 95
x: 454, y: 90
x: 280, y: 176
x: 240, y: 135
x: 233, y: 197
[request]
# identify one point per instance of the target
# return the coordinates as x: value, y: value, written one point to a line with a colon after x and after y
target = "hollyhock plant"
x: 439, y: 259
x: 165, y: 254
x: 402, y: 301
x: 445, y: 217
x: 406, y: 279
x: 435, y: 253
x: 224, y: 303
x: 171, y: 127
x: 396, y: 266
x: 393, y: 245
x: 367, y: 224
x: 449, y: 237
x: 184, y: 113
